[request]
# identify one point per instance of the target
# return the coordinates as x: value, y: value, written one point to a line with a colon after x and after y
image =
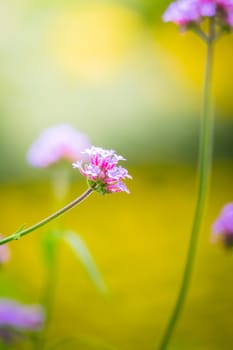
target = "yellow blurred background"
x: 112, y: 69
x: 116, y: 72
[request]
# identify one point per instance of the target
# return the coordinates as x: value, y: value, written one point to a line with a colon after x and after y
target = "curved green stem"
x: 205, y: 151
x: 45, y: 221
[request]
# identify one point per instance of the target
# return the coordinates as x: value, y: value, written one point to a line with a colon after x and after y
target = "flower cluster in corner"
x: 59, y: 142
x: 17, y: 318
x: 191, y: 12
x: 223, y: 226
x: 102, y: 172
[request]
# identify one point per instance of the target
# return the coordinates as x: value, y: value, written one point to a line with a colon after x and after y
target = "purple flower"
x: 4, y: 253
x: 226, y: 8
x: 223, y: 226
x: 56, y: 143
x: 182, y: 12
x: 186, y: 12
x: 102, y: 172
x: 20, y: 317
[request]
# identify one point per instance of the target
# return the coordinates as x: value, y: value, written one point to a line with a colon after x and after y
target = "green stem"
x: 60, y: 186
x: 205, y: 151
x: 47, y: 302
x: 49, y: 292
x: 45, y: 221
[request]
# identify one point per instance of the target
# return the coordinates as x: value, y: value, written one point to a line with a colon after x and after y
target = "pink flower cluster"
x: 19, y: 316
x: 4, y: 253
x: 57, y: 143
x: 185, y: 12
x: 223, y: 226
x: 102, y: 173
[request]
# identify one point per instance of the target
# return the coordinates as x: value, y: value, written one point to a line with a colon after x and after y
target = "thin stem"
x: 197, y: 30
x: 60, y: 185
x: 45, y: 221
x: 47, y: 302
x: 205, y: 151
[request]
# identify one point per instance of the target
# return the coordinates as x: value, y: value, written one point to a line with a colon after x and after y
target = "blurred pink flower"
x: 4, y: 253
x: 185, y: 12
x: 182, y: 12
x: 223, y: 226
x: 102, y: 172
x: 19, y: 316
x: 56, y: 143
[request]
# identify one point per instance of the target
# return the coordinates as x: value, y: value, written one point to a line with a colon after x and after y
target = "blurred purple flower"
x: 182, y: 12
x: 20, y: 317
x: 4, y: 253
x: 56, y: 143
x: 185, y: 12
x: 223, y: 226
x: 102, y: 172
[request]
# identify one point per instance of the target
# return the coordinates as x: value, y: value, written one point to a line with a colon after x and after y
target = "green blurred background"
x: 116, y: 72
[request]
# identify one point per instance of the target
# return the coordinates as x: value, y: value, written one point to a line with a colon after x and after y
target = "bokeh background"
x: 116, y: 72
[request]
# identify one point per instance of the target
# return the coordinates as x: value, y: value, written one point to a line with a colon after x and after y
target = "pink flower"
x: 57, y: 143
x: 182, y: 12
x: 223, y: 226
x: 4, y: 253
x: 102, y: 172
x: 19, y: 316
x: 226, y: 8
x: 186, y: 12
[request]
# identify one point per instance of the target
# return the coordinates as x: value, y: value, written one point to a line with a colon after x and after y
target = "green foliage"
x: 82, y: 252
x: 49, y: 243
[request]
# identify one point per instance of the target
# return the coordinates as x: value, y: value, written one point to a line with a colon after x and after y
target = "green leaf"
x: 18, y: 231
x: 49, y: 242
x: 82, y: 252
